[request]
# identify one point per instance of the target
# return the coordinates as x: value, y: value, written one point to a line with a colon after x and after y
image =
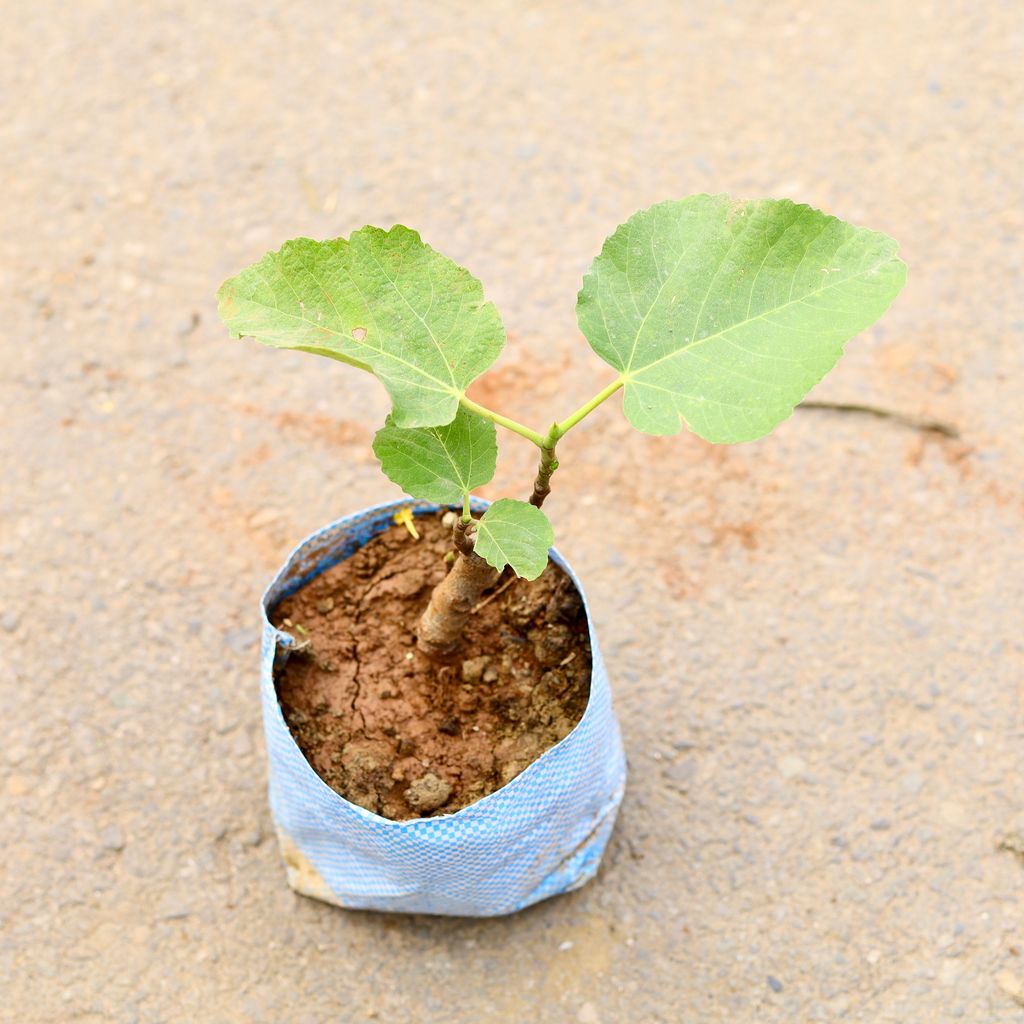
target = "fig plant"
x: 712, y: 312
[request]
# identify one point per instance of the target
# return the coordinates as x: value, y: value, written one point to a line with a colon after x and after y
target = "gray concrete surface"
x: 815, y: 640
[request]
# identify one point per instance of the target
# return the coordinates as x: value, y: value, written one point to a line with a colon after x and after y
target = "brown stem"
x: 542, y: 485
x: 451, y: 604
x: 462, y: 536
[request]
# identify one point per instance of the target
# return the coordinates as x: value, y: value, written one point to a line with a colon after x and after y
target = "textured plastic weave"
x: 541, y: 834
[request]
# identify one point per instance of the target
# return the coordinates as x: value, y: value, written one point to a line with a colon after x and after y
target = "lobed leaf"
x: 725, y: 314
x: 517, y: 534
x: 439, y: 463
x: 380, y: 300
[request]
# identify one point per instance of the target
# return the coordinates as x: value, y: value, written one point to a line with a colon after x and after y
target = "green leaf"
x: 439, y: 463
x: 515, y: 533
x: 381, y: 300
x: 727, y: 313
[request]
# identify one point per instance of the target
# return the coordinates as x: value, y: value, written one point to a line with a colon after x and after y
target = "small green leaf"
x: 439, y: 463
x: 515, y: 533
x: 381, y: 300
x: 727, y: 313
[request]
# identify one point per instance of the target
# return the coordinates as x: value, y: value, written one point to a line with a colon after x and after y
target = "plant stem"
x: 503, y: 421
x: 462, y: 538
x: 542, y: 485
x: 454, y: 598
x: 559, y: 429
x: 548, y: 461
x: 545, y: 442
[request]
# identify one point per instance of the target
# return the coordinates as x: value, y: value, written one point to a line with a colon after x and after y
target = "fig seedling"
x: 712, y: 312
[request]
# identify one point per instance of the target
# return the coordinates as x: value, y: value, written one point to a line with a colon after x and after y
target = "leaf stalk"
x: 545, y: 442
x: 502, y: 421
x: 558, y: 430
x: 548, y: 460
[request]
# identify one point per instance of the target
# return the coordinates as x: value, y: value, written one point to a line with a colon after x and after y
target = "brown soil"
x: 404, y: 736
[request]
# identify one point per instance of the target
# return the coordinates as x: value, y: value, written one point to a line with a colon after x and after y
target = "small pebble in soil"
x: 473, y: 669
x: 428, y: 793
x: 552, y: 645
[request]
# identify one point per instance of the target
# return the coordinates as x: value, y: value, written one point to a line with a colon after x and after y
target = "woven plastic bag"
x: 541, y: 834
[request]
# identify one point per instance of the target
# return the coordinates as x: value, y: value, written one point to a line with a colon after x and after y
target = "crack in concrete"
x: 927, y: 426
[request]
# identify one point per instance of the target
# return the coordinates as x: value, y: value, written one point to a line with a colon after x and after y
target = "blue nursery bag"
x: 541, y: 834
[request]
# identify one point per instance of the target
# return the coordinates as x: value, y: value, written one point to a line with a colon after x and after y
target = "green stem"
x: 545, y: 442
x: 548, y: 460
x: 503, y: 421
x: 558, y: 430
x: 466, y: 516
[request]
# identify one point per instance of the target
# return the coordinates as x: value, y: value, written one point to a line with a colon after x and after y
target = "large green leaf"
x: 382, y: 300
x: 439, y: 463
x: 517, y: 534
x: 727, y: 313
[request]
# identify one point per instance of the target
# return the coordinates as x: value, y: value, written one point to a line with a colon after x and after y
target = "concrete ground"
x: 815, y: 640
